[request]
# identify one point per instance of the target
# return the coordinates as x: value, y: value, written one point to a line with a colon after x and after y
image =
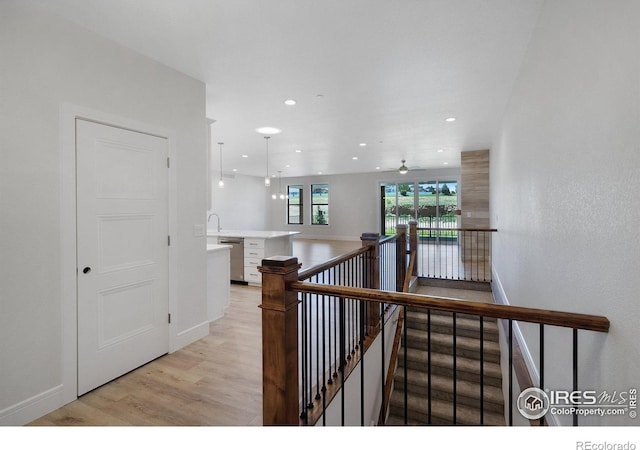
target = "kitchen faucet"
x: 214, y: 214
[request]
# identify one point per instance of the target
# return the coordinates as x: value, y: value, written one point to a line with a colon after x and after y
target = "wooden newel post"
x: 401, y: 256
x: 280, y: 402
x: 372, y: 277
x: 372, y: 266
x: 413, y: 244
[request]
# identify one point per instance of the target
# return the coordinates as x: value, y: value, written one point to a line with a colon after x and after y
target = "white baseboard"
x: 500, y: 298
x: 32, y: 408
x: 190, y: 335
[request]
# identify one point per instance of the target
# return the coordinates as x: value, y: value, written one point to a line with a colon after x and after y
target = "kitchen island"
x: 249, y: 248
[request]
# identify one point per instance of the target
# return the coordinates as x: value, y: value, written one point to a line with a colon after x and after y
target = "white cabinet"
x: 258, y: 245
x: 255, y: 250
x: 253, y: 255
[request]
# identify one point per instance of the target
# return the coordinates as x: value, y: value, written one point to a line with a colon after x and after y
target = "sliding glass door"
x: 431, y: 203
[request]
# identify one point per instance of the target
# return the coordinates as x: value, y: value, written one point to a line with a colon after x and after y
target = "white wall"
x: 47, y: 63
x: 565, y: 173
x: 354, y: 202
x: 241, y: 204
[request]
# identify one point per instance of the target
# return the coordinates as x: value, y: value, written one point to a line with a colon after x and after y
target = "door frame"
x: 68, y: 271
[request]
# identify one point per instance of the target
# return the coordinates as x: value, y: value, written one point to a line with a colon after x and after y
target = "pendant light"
x: 267, y: 180
x: 280, y: 193
x: 403, y: 169
x: 220, y: 183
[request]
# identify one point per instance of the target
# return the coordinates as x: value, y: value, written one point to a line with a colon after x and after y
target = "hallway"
x: 216, y: 381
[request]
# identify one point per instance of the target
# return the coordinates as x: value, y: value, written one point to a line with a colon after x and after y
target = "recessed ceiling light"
x: 378, y: 168
x: 440, y: 150
x: 319, y: 173
x: 298, y: 151
x: 268, y: 130
x: 288, y: 165
x: 235, y: 170
x: 290, y: 102
x: 354, y: 158
x: 245, y: 156
x: 363, y: 144
x: 450, y: 119
x: 446, y: 163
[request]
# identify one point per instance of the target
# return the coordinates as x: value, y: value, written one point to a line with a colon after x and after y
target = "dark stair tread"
x: 472, y: 323
x: 444, y: 340
x: 491, y: 368
x: 418, y: 384
x: 441, y: 412
x: 467, y: 369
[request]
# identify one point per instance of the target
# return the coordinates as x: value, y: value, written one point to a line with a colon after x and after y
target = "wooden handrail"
x: 533, y: 315
x: 319, y: 268
x: 491, y: 230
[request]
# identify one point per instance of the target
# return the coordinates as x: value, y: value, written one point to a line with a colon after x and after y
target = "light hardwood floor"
x: 216, y: 381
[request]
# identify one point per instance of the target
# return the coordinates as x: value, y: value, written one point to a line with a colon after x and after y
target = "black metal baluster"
x: 440, y: 255
x: 486, y: 255
x: 455, y: 367
x: 510, y: 372
x: 428, y: 249
x: 361, y: 343
x: 324, y: 365
x: 429, y: 365
x: 481, y: 370
x: 303, y: 413
x: 317, y: 320
x: 443, y: 241
x: 451, y: 254
x: 336, y: 353
x: 575, y: 370
x: 354, y: 317
x: 459, y: 241
x: 384, y: 412
x: 542, y: 364
x: 342, y: 358
x: 471, y: 258
x: 477, y: 255
x: 406, y: 383
x: 310, y: 349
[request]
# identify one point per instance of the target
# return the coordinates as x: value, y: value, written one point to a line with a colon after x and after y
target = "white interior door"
x: 122, y: 251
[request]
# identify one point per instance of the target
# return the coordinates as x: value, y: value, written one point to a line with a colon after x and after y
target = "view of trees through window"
x: 320, y: 204
x: 431, y: 204
x: 294, y: 204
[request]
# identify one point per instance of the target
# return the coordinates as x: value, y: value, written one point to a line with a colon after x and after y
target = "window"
x: 320, y: 204
x: 294, y: 204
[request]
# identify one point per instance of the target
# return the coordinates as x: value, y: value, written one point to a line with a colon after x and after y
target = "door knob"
x: 86, y: 270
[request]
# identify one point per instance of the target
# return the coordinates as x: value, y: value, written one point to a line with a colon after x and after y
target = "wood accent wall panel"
x: 474, y: 189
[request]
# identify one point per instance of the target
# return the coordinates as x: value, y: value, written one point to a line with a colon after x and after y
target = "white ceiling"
x: 382, y: 72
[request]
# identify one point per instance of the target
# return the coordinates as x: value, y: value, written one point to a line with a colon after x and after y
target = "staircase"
x: 467, y: 372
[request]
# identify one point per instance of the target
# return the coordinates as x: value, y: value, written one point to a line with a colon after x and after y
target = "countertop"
x: 217, y: 247
x: 255, y: 234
